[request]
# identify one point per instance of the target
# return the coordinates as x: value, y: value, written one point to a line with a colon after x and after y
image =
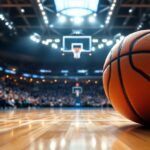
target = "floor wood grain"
x: 61, y: 129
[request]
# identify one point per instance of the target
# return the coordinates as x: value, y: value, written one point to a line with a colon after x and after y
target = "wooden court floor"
x: 60, y: 129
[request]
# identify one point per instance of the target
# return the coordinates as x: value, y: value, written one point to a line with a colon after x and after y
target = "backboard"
x: 72, y: 43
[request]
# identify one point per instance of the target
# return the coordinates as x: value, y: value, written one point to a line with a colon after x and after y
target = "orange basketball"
x: 126, y: 77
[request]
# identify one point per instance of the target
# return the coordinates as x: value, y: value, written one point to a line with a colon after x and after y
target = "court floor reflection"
x: 61, y: 129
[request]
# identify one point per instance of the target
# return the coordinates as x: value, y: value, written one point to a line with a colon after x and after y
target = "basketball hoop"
x: 76, y: 52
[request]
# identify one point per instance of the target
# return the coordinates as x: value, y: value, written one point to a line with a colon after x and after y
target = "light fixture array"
x: 45, y: 18
x: 112, y: 7
x: 77, y: 20
x: 8, y: 24
x: 96, y: 42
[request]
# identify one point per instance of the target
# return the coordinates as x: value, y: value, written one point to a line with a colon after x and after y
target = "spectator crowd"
x: 25, y: 95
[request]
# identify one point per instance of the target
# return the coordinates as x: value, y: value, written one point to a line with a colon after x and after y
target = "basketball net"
x: 77, y: 52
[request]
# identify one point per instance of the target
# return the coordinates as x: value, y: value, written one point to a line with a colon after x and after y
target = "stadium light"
x: 62, y: 19
x: 109, y: 43
x: 54, y: 45
x: 82, y: 71
x: 49, y: 40
x: 45, y: 42
x: 98, y: 71
x: 108, y: 18
x: 130, y: 10
x: 101, y: 26
x: 78, y: 20
x: 64, y: 71
x: 92, y: 19
x: 95, y: 14
x: 93, y: 49
x: 45, y: 18
x: 6, y: 23
x: 35, y: 37
x: 95, y: 40
x: 51, y: 26
x: 104, y: 40
x: 58, y: 14
x: 100, y: 46
x: 45, y: 71
x: 74, y: 8
x: 22, y: 10
x: 57, y: 40
x: 2, y: 17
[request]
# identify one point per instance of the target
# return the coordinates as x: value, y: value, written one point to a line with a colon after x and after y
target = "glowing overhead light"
x: 62, y: 19
x: 98, y: 71
x: 49, y: 40
x: 6, y: 23
x: 22, y: 10
x: 94, y: 14
x: 110, y: 12
x: 78, y: 20
x: 100, y: 46
x: 54, y: 45
x: 57, y: 40
x: 45, y: 18
x: 51, y: 26
x: 104, y: 40
x: 35, y: 37
x: 58, y: 14
x: 2, y: 17
x: 76, y: 7
x: 43, y: 13
x: 130, y: 10
x: 64, y: 71
x: 110, y: 42
x: 44, y: 42
x: 91, y: 19
x: 93, y: 49
x: 95, y: 40
x: 107, y: 22
x: 46, y: 21
x: 101, y: 26
x: 82, y: 71
x: 45, y: 71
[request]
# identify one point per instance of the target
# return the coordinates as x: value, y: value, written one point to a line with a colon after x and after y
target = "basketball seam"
x: 108, y: 83
x: 124, y: 90
x: 127, y: 54
x: 139, y: 71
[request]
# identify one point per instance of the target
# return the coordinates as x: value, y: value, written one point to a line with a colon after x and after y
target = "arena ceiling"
x: 20, y: 19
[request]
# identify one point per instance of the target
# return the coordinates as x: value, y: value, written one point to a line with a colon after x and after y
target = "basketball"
x: 126, y: 77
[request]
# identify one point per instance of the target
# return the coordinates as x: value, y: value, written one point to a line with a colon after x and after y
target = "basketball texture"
x: 126, y: 77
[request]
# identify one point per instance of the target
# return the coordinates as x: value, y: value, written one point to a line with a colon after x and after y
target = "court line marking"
x: 65, y: 120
